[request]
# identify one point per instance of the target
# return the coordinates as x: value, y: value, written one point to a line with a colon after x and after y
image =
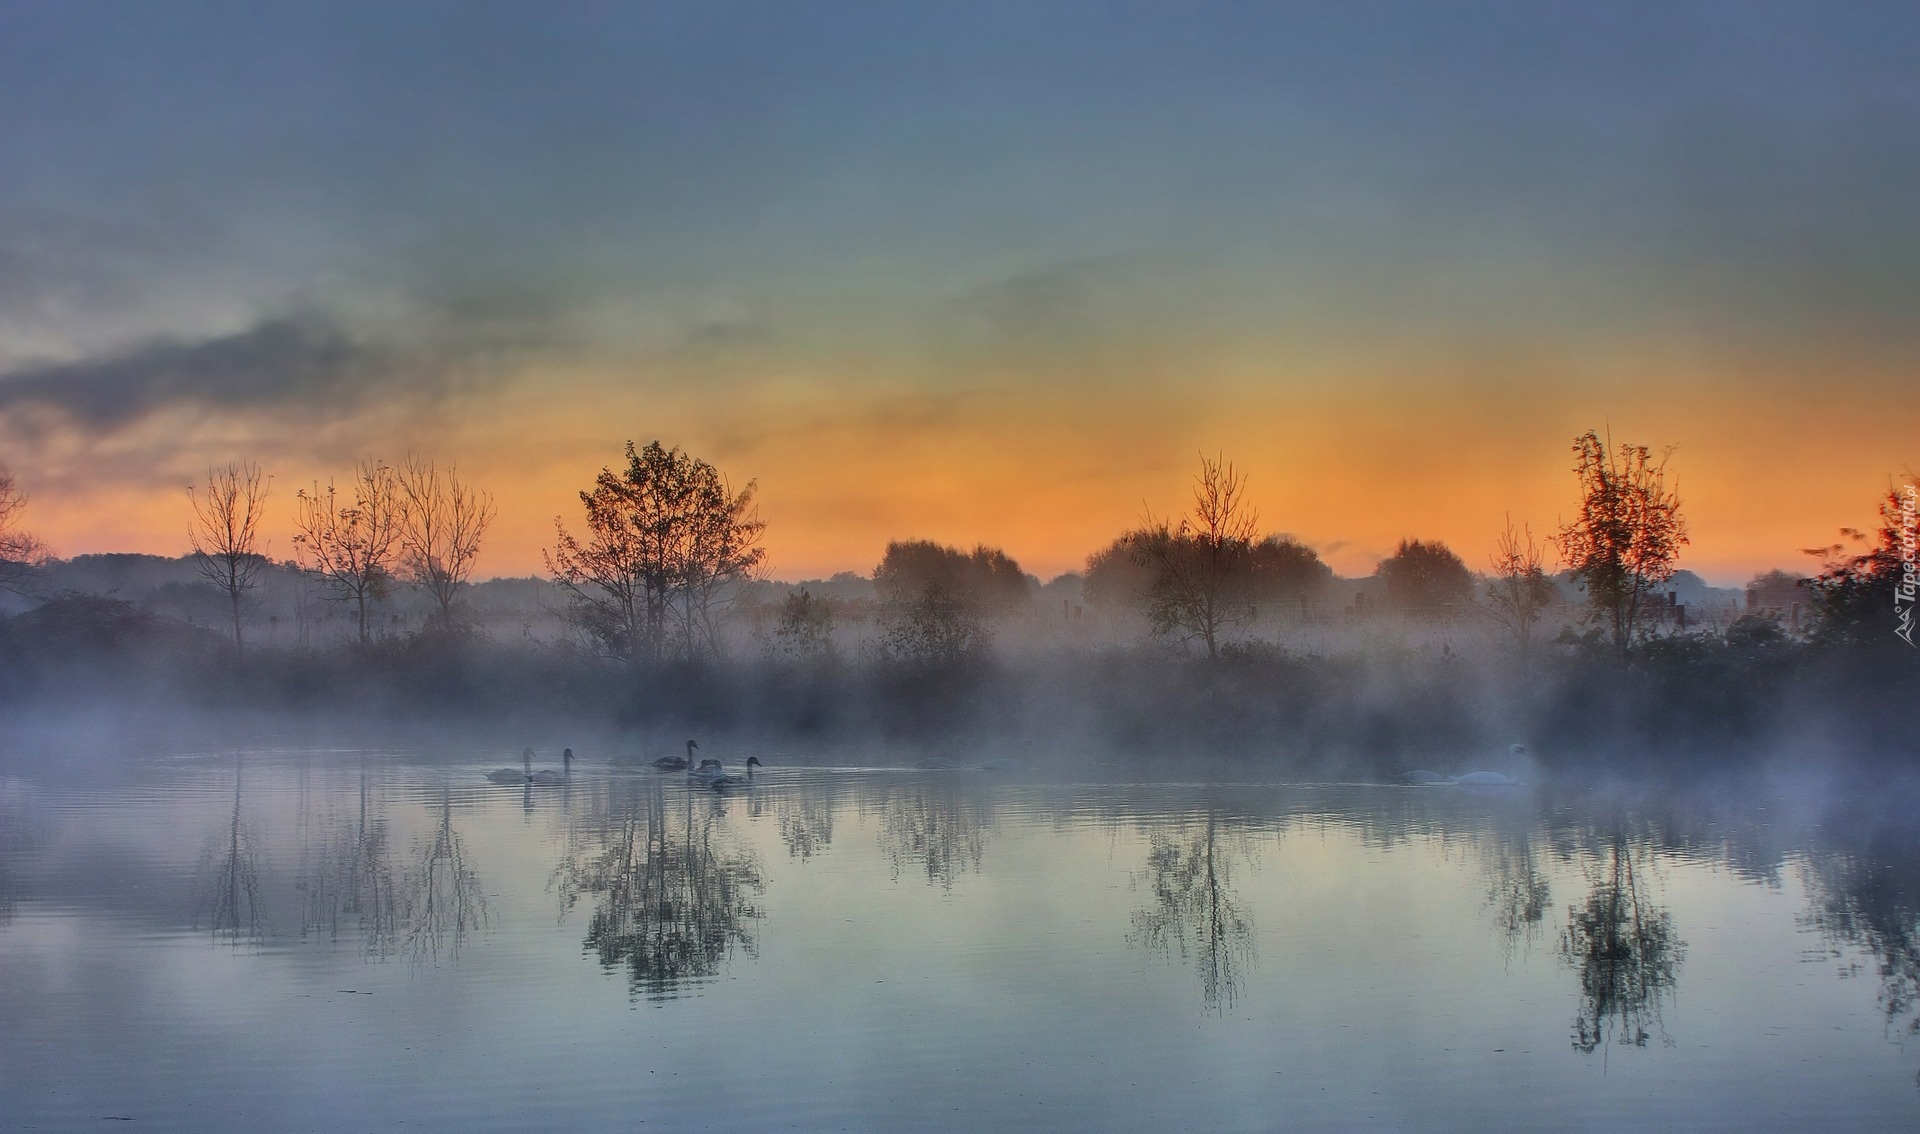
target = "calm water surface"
x: 348, y: 940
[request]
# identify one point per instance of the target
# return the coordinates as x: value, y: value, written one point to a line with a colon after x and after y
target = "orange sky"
x: 1349, y: 451
x: 966, y: 272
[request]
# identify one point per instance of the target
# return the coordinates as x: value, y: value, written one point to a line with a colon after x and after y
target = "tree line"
x: 667, y: 543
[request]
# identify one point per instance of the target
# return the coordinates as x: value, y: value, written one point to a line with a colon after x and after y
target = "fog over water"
x: 301, y: 937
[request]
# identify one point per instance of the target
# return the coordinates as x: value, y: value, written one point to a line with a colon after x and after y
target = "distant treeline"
x: 1200, y: 638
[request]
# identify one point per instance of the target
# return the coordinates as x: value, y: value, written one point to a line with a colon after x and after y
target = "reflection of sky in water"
x: 910, y: 950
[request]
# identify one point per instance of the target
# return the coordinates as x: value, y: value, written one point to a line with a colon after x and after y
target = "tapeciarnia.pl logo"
x: 1904, y: 589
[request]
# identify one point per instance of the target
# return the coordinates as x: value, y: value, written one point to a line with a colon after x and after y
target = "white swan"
x: 711, y: 773
x: 677, y: 763
x: 1486, y: 779
x: 509, y: 776
x: 734, y: 779
x: 548, y: 775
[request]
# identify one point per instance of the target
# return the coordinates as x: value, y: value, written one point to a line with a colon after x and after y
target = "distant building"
x: 1778, y: 595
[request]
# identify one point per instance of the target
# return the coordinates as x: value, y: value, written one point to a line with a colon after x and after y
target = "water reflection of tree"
x: 674, y: 897
x: 1517, y: 888
x: 354, y: 883
x: 1624, y: 949
x: 19, y: 833
x: 230, y: 876
x: 805, y: 811
x: 1869, y: 900
x: 1195, y: 907
x: 936, y: 824
x: 421, y: 904
x: 441, y: 899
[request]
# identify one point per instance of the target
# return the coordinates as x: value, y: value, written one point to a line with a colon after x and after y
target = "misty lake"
x: 361, y: 939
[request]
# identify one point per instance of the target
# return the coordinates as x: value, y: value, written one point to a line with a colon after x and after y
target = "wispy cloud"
x: 303, y: 361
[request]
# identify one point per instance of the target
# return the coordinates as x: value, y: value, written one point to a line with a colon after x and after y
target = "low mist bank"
x: 1684, y: 706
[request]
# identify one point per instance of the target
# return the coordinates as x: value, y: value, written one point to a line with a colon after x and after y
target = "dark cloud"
x: 302, y: 361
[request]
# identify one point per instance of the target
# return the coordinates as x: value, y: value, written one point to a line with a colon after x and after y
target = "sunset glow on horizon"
x: 992, y: 275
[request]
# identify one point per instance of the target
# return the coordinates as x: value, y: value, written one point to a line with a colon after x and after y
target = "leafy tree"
x: 21, y: 554
x: 441, y: 522
x: 1627, y: 535
x: 987, y: 580
x: 1858, y: 597
x: 1275, y: 571
x: 666, y: 540
x: 348, y: 540
x: 1118, y: 574
x: 1282, y: 570
x: 225, y: 533
x: 937, y: 599
x: 1425, y: 579
x: 934, y: 628
x: 804, y: 628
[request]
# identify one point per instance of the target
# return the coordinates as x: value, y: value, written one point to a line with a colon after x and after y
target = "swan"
x: 1486, y: 779
x: 549, y: 776
x: 509, y: 776
x: 727, y: 780
x: 677, y: 763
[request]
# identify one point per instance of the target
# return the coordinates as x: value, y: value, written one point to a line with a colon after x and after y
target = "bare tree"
x: 349, y: 543
x: 1517, y: 587
x: 1196, y: 561
x: 20, y: 552
x: 441, y: 522
x: 225, y: 533
x: 1628, y: 533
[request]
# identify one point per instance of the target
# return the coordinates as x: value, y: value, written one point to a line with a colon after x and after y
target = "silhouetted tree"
x: 987, y: 580
x: 1195, y: 562
x: 225, y: 534
x: 937, y: 599
x: 933, y: 628
x: 804, y: 628
x: 20, y: 553
x: 1118, y: 575
x: 1628, y: 533
x: 441, y: 522
x: 666, y: 539
x: 1283, y: 571
x: 1277, y: 571
x: 1517, y: 587
x: 1425, y: 579
x: 348, y: 544
x: 1859, y: 597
